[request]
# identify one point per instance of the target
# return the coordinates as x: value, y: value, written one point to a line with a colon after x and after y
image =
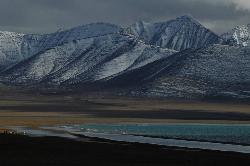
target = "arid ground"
x: 36, y: 109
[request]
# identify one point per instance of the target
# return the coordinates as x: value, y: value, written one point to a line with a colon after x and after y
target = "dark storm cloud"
x: 37, y: 16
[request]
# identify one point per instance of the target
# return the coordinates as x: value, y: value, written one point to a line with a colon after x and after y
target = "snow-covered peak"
x: 143, y: 29
x: 3, y: 33
x: 15, y: 47
x: 188, y: 18
x: 178, y: 34
x: 179, y: 21
x: 240, y: 36
x: 10, y: 48
x: 9, y: 37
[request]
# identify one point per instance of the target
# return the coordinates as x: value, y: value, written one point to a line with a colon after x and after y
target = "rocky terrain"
x: 178, y: 58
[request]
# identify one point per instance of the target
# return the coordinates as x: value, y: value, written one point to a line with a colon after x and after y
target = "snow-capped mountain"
x: 178, y: 58
x: 15, y: 47
x: 85, y: 60
x: 240, y: 36
x: 217, y: 70
x: 179, y: 34
x: 10, y: 48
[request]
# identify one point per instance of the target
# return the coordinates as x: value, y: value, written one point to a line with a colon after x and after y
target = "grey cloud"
x: 38, y: 16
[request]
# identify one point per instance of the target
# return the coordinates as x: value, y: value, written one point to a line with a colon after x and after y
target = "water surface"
x: 238, y: 134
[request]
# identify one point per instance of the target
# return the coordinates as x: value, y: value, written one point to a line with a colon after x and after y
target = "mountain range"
x: 179, y: 58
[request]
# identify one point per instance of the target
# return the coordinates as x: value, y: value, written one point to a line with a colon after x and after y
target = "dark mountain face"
x: 218, y: 70
x: 178, y: 58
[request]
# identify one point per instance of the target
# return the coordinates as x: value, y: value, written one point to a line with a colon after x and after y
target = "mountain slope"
x: 85, y: 60
x: 10, y: 48
x: 240, y: 35
x: 217, y: 70
x: 179, y: 34
x: 15, y: 47
x: 136, y: 61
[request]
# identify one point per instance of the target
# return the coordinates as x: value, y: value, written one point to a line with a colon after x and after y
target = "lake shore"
x: 24, y: 150
x: 36, y: 111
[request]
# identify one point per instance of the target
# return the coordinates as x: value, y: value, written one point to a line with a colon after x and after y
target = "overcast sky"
x: 43, y: 16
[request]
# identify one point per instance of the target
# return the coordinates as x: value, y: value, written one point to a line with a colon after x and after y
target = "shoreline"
x: 90, y: 151
x: 75, y: 133
x: 54, y: 150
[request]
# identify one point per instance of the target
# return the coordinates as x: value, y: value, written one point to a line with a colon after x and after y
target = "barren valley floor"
x: 36, y: 110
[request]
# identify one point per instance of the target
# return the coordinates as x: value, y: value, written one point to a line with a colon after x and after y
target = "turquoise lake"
x: 238, y: 134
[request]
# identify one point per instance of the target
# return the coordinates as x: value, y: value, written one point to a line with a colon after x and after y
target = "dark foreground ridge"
x: 52, y: 151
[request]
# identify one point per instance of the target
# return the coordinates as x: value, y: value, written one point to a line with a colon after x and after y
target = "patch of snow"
x: 120, y: 63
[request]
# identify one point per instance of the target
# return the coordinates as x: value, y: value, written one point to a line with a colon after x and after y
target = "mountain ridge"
x: 177, y: 58
x: 178, y: 34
